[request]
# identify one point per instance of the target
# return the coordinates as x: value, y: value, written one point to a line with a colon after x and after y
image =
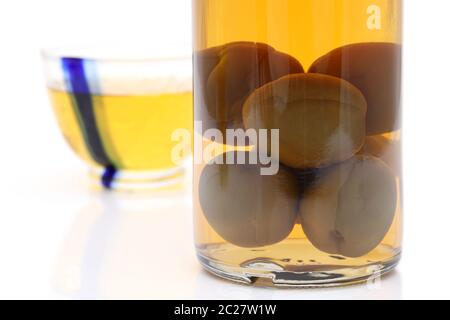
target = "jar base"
x: 270, y: 273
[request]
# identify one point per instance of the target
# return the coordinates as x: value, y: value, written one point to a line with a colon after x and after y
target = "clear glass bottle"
x: 117, y: 109
x: 311, y: 195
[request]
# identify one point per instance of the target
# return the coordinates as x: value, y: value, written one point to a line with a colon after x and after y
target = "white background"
x: 60, y: 240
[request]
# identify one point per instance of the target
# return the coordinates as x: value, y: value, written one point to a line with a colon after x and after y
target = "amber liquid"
x: 306, y: 30
x: 135, y: 130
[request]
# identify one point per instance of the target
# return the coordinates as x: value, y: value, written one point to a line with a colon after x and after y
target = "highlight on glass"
x: 325, y: 75
x: 118, y: 112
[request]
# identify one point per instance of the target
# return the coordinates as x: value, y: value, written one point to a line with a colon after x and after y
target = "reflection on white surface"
x: 138, y: 246
x: 129, y: 246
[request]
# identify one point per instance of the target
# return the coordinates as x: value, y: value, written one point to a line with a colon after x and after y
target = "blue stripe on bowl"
x: 78, y: 87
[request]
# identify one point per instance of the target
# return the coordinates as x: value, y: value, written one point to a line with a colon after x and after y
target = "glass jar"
x: 297, y: 175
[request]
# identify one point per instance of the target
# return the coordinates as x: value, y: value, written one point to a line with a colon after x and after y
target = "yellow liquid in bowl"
x: 135, y: 130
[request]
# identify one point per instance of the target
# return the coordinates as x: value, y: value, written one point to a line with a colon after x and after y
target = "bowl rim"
x: 117, y: 54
